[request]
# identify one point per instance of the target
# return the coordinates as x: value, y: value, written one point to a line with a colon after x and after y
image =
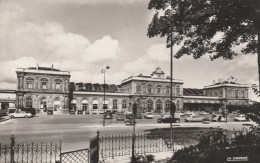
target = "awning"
x: 73, y: 101
x: 84, y: 101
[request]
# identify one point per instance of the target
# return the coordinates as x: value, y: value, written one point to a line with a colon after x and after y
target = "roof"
x: 89, y: 87
x: 113, y: 88
x: 44, y: 68
x: 97, y: 87
x: 192, y: 92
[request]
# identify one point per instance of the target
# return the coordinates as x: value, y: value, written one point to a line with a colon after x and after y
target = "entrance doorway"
x: 43, y: 105
x: 57, y: 105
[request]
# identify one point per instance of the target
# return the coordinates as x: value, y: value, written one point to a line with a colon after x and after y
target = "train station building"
x: 46, y: 88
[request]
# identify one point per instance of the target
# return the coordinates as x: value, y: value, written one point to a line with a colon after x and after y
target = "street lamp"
x: 104, y: 71
x: 172, y: 105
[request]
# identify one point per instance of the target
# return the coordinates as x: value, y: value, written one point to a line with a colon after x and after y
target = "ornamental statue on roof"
x: 158, y: 73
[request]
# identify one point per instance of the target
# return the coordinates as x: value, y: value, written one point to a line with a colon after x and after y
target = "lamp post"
x: 171, y: 95
x: 104, y: 71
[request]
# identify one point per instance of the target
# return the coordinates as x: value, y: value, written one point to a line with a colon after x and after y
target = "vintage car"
x: 168, y: 120
x: 120, y: 116
x: 217, y: 118
x: 241, y: 117
x: 138, y: 116
x: 148, y: 115
x: 194, y: 119
x: 129, y: 121
x: 108, y: 115
x: 20, y: 114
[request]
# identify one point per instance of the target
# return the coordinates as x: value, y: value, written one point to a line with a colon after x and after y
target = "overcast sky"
x: 83, y: 36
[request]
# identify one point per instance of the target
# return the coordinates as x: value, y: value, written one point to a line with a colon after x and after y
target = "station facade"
x: 50, y: 89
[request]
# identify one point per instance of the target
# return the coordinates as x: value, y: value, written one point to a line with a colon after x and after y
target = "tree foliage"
x: 215, y: 146
x: 211, y: 27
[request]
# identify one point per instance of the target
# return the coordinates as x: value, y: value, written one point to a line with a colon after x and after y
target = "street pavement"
x: 75, y: 131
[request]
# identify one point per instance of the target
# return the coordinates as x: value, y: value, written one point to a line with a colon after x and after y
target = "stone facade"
x: 43, y: 89
x: 50, y: 89
x: 233, y: 94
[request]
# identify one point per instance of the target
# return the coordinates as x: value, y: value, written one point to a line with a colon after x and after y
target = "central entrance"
x: 43, y: 105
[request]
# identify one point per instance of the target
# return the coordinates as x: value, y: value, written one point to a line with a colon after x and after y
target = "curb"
x: 5, y: 118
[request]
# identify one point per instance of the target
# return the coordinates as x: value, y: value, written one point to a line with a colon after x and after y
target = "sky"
x: 84, y: 36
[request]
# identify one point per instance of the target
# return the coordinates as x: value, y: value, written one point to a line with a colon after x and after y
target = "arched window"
x: 124, y: 104
x: 57, y: 84
x: 216, y: 94
x: 28, y: 102
x: 43, y: 105
x: 95, y: 104
x: 150, y: 105
x: 158, y: 89
x: 167, y: 106
x: 149, y: 88
x: 114, y: 104
x: 159, y: 106
x: 84, y: 105
x: 29, y: 83
x: 44, y: 83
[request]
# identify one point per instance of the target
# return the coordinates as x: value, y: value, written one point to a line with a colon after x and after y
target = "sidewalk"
x: 232, y: 125
x: 4, y: 118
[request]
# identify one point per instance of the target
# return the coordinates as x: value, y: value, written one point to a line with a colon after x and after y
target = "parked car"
x: 114, y: 111
x: 138, y: 116
x: 217, y: 118
x: 72, y: 111
x: 87, y: 112
x: 168, y: 120
x: 194, y: 119
x: 20, y: 114
x: 240, y: 117
x: 129, y: 116
x: 108, y: 115
x: 30, y: 110
x: 148, y: 115
x: 49, y: 112
x: 80, y: 112
x: 120, y: 116
x: 178, y: 114
x: 129, y: 121
x: 206, y: 120
x: 189, y: 113
x: 203, y: 113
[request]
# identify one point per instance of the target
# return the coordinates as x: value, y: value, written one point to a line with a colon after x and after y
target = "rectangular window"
x: 138, y: 89
x: 57, y: 86
x: 95, y: 106
x: 44, y: 85
x: 29, y: 85
x: 178, y: 89
x: 104, y: 106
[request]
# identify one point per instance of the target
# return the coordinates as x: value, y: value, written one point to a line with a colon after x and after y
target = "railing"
x: 29, y: 152
x: 112, y: 146
x: 78, y: 156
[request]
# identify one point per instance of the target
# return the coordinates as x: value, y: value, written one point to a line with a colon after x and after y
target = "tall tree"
x: 208, y: 27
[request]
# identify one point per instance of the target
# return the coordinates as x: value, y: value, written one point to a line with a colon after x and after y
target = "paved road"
x: 75, y: 130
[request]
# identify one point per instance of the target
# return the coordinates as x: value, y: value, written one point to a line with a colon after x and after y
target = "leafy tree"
x: 216, y: 146
x: 195, y: 24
